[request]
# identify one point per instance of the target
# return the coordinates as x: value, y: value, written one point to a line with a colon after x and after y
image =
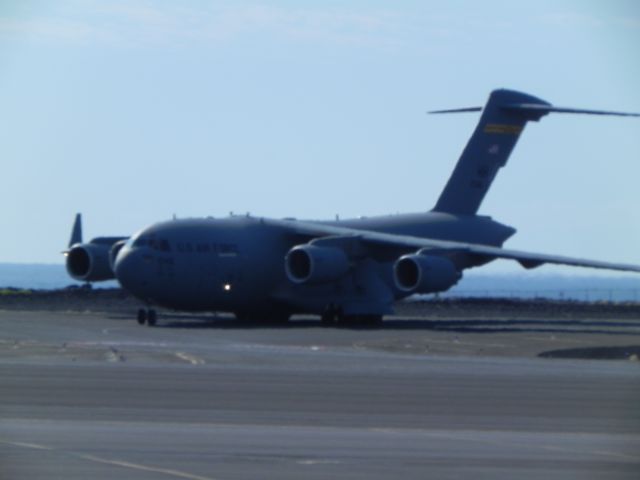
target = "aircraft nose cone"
x: 128, y: 269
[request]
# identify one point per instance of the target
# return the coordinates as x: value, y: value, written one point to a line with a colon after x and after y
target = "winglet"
x: 76, y: 231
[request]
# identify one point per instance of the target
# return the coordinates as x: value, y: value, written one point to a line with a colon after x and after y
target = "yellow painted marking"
x: 503, y: 129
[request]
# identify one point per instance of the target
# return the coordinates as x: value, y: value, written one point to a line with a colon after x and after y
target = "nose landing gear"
x: 147, y: 316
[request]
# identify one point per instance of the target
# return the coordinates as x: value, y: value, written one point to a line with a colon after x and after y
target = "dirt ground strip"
x: 119, y: 301
x: 485, y: 327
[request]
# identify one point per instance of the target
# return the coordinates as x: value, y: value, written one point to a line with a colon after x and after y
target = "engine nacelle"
x: 424, y: 273
x: 314, y: 264
x: 113, y: 253
x: 89, y: 262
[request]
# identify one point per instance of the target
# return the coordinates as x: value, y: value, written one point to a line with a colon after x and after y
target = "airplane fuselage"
x: 237, y: 264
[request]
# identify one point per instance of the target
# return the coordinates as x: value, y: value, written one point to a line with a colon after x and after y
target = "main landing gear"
x: 147, y: 316
x: 333, y: 316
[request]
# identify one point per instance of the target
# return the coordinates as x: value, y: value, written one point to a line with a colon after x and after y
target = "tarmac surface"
x: 94, y: 395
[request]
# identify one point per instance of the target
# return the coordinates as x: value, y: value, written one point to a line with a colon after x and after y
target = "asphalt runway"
x: 97, y: 396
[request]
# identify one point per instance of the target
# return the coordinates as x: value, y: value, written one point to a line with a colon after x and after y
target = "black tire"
x: 142, y: 316
x: 152, y: 317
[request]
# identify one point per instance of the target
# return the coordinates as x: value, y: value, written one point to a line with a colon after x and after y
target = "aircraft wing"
x: 408, y: 242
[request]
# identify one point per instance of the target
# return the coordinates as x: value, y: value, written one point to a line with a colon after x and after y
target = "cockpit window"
x: 152, y: 242
x: 141, y: 242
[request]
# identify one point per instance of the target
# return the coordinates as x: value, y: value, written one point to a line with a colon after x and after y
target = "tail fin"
x: 76, y: 231
x: 486, y: 152
x: 502, y: 121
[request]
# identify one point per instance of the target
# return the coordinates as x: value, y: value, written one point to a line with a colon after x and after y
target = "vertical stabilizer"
x: 76, y: 231
x: 488, y: 149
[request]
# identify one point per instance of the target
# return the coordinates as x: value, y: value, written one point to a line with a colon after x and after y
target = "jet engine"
x: 314, y: 264
x: 89, y: 262
x: 113, y: 253
x: 417, y: 273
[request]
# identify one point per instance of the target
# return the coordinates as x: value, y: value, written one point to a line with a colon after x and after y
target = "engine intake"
x: 424, y: 273
x: 89, y: 262
x: 313, y: 264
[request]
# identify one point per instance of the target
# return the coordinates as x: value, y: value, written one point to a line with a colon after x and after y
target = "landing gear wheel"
x: 148, y: 316
x: 152, y: 317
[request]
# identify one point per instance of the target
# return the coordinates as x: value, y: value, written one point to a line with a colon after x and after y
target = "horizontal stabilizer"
x: 458, y: 110
x: 539, y: 110
x: 544, y: 109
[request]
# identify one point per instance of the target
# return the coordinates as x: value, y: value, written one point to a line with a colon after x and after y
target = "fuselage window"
x: 162, y: 245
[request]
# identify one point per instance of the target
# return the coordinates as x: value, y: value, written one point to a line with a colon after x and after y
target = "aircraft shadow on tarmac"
x: 486, y: 326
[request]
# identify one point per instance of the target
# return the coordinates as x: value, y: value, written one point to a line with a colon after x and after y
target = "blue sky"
x: 132, y: 111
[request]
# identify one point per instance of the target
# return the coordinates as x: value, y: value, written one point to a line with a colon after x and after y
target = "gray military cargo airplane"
x: 344, y: 270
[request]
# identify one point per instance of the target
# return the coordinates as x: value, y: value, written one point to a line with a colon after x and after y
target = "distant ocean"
x: 474, y: 284
x: 39, y: 276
